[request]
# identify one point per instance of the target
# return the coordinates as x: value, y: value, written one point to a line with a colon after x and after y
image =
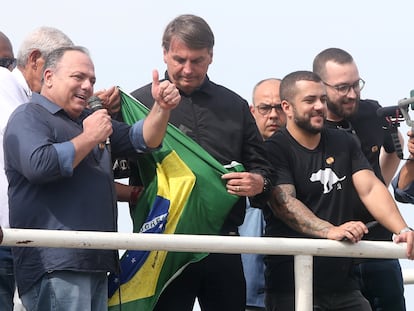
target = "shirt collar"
x: 22, y: 81
x: 52, y: 107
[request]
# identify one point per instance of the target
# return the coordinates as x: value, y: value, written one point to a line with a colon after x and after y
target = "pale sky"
x: 254, y: 40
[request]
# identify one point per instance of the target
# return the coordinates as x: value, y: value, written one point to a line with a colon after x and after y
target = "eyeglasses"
x: 266, y: 109
x: 343, y: 89
x: 8, y: 63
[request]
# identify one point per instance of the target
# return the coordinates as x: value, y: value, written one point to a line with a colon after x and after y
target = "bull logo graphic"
x: 327, y: 178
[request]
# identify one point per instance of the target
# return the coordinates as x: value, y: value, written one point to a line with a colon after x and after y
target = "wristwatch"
x: 267, y: 185
x: 406, y: 229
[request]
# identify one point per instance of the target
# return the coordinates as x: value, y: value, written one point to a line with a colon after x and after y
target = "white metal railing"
x: 302, y: 249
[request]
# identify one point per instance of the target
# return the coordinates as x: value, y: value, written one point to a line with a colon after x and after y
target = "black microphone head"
x: 95, y: 103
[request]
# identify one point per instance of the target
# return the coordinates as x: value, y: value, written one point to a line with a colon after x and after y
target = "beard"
x: 339, y: 110
x: 305, y: 123
x: 307, y: 126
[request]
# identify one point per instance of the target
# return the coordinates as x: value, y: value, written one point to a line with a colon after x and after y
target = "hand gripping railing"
x: 302, y: 249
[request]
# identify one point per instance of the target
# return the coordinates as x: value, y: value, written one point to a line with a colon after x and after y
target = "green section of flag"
x: 185, y: 175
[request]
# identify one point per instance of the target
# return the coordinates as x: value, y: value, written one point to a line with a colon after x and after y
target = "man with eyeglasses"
x: 318, y: 170
x: 266, y: 108
x: 380, y: 279
x: 269, y: 116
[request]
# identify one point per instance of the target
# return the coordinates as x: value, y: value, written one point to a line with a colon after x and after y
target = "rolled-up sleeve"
x: 405, y: 195
x: 66, y: 156
x: 137, y: 138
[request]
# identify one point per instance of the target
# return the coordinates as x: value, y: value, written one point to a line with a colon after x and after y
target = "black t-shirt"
x: 372, y: 132
x: 323, y: 182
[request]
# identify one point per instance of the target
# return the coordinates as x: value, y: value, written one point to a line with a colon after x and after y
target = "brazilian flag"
x: 184, y: 194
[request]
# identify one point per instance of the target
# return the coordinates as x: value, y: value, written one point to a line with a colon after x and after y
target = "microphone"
x: 95, y: 103
x: 392, y: 111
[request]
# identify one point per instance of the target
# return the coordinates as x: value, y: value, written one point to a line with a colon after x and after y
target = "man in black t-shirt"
x: 380, y: 279
x: 317, y: 170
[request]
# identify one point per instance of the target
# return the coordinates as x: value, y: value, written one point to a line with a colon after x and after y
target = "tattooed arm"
x: 299, y: 217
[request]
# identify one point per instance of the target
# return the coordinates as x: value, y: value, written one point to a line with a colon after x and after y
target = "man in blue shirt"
x: 60, y: 178
x: 403, y: 183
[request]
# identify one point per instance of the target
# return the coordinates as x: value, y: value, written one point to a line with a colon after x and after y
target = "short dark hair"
x: 288, y: 84
x: 336, y: 55
x: 192, y: 30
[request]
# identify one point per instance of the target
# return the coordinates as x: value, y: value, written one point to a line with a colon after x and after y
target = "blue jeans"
x: 68, y: 291
x: 253, y: 264
x: 7, y: 284
x: 382, y: 284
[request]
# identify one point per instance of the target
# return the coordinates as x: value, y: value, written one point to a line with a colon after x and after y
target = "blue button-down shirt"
x: 46, y: 192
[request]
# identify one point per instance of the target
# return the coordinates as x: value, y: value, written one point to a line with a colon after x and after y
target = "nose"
x: 319, y: 104
x: 352, y: 93
x: 274, y: 113
x: 187, y: 67
x: 87, y: 84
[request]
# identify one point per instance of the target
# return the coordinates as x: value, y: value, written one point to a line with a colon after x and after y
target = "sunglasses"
x: 6, y: 62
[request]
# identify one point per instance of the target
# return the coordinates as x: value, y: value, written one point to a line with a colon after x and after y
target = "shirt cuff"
x: 137, y: 138
x: 66, y: 155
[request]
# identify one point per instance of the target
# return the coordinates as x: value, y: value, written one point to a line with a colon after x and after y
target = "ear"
x: 251, y: 107
x: 33, y: 58
x: 47, y: 78
x: 285, y: 105
x: 287, y: 108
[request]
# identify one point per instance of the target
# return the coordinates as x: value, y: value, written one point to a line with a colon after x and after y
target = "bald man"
x: 269, y: 116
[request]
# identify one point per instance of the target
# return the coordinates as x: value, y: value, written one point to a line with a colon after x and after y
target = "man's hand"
x: 98, y: 126
x: 407, y: 237
x: 244, y: 183
x: 165, y: 94
x: 352, y: 231
x: 111, y: 100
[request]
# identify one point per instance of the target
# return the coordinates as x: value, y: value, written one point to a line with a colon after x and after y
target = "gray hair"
x: 54, y: 57
x: 260, y: 83
x: 43, y: 39
x: 190, y: 29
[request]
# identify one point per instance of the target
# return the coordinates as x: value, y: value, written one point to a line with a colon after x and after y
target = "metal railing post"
x: 303, y: 283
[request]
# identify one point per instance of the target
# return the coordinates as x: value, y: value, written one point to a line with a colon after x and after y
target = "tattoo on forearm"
x: 295, y: 214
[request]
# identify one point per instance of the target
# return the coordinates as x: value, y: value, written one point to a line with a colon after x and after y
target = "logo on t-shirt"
x: 327, y: 177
